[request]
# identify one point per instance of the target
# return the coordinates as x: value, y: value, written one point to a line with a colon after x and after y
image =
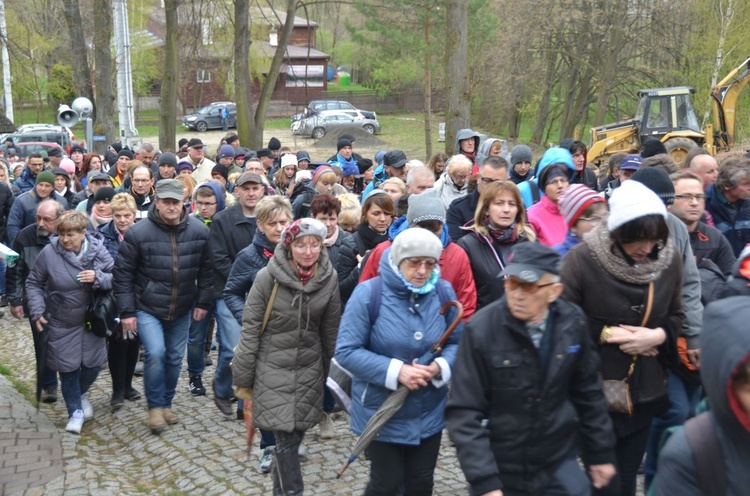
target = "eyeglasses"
x: 489, y: 180
x: 415, y: 263
x: 46, y: 219
x: 594, y: 219
x: 459, y: 177
x: 690, y: 198
x: 512, y: 284
x: 205, y: 204
x: 314, y: 247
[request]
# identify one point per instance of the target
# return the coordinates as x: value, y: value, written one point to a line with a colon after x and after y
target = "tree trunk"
x: 427, y: 92
x: 104, y: 101
x: 168, y: 97
x: 269, y: 84
x: 543, y: 116
x: 242, y: 81
x: 81, y: 69
x: 457, y: 105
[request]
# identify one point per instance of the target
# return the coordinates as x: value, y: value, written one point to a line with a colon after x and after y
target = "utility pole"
x: 128, y: 132
x: 7, y: 90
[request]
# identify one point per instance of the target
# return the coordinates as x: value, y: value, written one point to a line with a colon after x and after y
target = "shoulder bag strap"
x: 646, y: 316
x: 269, y: 308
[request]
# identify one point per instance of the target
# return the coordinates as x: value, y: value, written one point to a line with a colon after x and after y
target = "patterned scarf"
x: 305, y: 274
x: 502, y: 236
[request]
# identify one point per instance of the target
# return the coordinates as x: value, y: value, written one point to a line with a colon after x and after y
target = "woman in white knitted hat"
x: 627, y: 275
x: 389, y: 322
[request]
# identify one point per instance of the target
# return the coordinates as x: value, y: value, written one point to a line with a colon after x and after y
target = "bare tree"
x: 456, y: 67
x: 81, y: 69
x: 168, y: 102
x: 104, y: 95
x: 242, y: 81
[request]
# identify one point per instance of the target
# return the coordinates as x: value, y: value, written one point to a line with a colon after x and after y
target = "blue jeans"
x: 164, y: 342
x: 196, y: 343
x: 2, y: 276
x: 76, y: 383
x: 227, y: 336
x: 684, y: 398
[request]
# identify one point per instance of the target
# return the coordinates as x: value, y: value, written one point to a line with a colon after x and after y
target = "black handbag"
x: 101, y: 315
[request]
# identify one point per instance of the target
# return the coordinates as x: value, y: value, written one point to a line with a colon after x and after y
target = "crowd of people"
x: 581, y: 344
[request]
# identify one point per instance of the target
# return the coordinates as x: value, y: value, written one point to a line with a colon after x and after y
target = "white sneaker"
x: 302, y: 452
x: 75, y: 422
x: 88, y: 410
x: 326, y: 427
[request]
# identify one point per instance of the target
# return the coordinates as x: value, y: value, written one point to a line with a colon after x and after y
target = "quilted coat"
x: 287, y: 365
x: 54, y: 292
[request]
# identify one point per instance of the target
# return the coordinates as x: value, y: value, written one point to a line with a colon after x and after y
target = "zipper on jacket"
x: 175, y: 274
x: 364, y: 393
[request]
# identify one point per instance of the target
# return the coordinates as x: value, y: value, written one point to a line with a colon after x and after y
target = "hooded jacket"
x: 725, y: 346
x: 28, y: 245
x: 23, y: 211
x: 407, y: 325
x: 26, y: 181
x: 302, y: 198
x: 163, y: 269
x: 220, y: 201
x: 461, y: 135
x: 54, y: 292
x: 454, y: 265
x: 484, y: 151
x: 287, y: 364
x: 551, y: 157
x: 739, y: 283
x: 547, y: 222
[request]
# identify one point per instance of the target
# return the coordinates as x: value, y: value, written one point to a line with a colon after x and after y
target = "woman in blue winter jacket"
x: 380, y: 354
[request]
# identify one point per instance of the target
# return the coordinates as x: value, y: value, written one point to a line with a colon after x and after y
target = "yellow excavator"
x: 667, y: 114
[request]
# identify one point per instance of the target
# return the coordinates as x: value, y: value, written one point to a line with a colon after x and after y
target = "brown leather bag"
x: 618, y: 392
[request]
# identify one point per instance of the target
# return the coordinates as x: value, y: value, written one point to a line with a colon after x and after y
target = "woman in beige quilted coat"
x: 285, y: 364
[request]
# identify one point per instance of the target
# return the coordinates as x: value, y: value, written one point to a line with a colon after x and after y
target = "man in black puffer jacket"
x: 526, y: 391
x: 163, y: 269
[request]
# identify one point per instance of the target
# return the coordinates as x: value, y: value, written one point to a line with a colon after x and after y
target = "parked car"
x: 44, y: 133
x: 26, y: 148
x: 318, y: 125
x: 316, y: 106
x: 209, y: 117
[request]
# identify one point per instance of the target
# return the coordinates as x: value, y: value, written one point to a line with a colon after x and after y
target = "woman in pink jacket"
x: 555, y: 169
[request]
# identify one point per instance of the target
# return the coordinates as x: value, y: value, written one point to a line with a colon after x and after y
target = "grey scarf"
x: 609, y: 257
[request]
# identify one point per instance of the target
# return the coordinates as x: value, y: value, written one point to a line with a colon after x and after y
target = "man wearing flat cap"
x: 202, y: 166
x: 526, y: 392
x: 162, y: 278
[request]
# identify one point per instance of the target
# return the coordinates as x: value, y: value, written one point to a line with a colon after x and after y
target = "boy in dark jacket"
x: 725, y: 370
x: 526, y: 390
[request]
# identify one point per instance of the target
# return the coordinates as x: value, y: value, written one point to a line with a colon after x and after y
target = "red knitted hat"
x: 575, y: 200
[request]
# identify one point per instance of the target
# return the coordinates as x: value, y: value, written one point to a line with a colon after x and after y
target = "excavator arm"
x: 724, y: 98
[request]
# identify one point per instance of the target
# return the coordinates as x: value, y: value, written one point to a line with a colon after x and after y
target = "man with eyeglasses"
x: 526, y: 392
x: 461, y: 211
x: 706, y: 241
x: 28, y: 244
x: 142, y: 190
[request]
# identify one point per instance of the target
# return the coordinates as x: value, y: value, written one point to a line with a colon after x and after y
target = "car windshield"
x: 204, y: 110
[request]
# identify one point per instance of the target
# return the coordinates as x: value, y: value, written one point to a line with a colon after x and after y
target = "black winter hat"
x: 221, y: 170
x: 104, y: 193
x: 167, y: 158
x: 126, y: 153
x: 341, y: 143
x: 274, y: 144
x: 657, y: 181
x: 652, y: 147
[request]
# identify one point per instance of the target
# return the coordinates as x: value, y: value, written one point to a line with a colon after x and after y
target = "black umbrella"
x: 41, y: 363
x: 395, y: 400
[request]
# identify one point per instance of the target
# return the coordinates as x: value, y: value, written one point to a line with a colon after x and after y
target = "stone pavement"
x: 117, y: 454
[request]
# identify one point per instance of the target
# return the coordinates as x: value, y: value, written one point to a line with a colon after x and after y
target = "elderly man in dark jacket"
x: 28, y: 244
x: 526, y: 390
x: 163, y: 269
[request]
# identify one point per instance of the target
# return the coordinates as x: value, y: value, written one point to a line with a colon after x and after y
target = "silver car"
x: 316, y: 126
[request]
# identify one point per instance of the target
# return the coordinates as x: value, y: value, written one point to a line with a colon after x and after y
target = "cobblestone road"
x: 117, y: 454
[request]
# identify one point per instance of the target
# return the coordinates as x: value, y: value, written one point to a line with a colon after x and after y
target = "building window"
x: 203, y: 76
x: 207, y: 32
x: 305, y: 75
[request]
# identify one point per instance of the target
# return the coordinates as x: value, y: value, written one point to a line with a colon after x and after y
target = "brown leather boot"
x: 156, y: 421
x: 170, y: 416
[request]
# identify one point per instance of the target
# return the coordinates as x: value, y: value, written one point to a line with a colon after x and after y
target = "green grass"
x: 20, y: 386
